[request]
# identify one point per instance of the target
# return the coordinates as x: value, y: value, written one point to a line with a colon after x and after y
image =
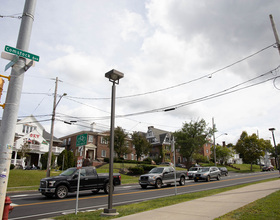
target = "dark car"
x: 223, y: 170
x: 268, y: 168
x: 180, y: 165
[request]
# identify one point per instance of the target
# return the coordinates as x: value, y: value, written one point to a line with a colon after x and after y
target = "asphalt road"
x: 33, y: 205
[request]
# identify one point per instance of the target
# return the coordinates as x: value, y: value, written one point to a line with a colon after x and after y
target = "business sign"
x: 22, y: 53
x: 81, y: 140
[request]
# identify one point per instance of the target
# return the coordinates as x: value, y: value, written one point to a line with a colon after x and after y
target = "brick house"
x: 97, y: 146
x: 160, y: 149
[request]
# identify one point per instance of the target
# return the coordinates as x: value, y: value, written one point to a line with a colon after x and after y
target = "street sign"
x: 22, y: 53
x: 81, y: 140
x: 79, y: 162
x: 10, y: 64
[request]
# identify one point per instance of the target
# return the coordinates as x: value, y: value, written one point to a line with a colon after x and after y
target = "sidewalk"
x: 210, y: 207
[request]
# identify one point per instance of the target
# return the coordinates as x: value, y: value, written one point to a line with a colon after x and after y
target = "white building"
x: 31, y: 135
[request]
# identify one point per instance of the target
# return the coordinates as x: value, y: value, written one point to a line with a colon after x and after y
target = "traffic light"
x: 1, y: 86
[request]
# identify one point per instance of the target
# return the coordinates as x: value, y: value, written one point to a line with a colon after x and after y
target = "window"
x: 27, y: 128
x: 125, y: 156
x: 207, y: 151
x: 90, y: 138
x: 104, y: 140
x: 132, y: 156
x: 69, y: 140
x: 103, y: 153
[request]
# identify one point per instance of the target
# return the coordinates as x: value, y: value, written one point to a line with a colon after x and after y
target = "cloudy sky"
x: 205, y: 59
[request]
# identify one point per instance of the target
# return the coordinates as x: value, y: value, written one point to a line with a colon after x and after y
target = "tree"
x: 141, y: 144
x: 68, y: 159
x: 44, y: 160
x: 222, y: 153
x: 25, y: 149
x: 191, y: 138
x: 250, y: 148
x: 120, y: 145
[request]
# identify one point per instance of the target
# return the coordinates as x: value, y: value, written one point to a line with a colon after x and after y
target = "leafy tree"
x: 44, y: 160
x: 191, y: 138
x: 120, y: 146
x: 222, y: 153
x: 141, y: 144
x: 24, y: 150
x: 250, y: 148
x: 68, y: 159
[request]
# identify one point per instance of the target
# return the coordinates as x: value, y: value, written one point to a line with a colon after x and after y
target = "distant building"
x: 96, y: 148
x: 31, y: 141
x: 160, y: 150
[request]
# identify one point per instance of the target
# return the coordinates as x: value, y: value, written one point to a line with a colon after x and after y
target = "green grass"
x: 265, y: 208
x: 153, y: 204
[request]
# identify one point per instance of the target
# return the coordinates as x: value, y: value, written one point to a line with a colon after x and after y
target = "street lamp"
x: 52, y: 129
x: 114, y: 76
x: 214, y: 140
x: 276, y: 157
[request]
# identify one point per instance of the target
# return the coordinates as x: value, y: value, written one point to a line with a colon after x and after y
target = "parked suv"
x: 192, y: 171
x: 223, y: 170
x: 207, y: 173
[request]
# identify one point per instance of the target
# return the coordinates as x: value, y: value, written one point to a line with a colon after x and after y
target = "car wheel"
x: 218, y: 177
x: 158, y: 183
x: 107, y: 188
x: 61, y: 192
x: 95, y: 191
x: 144, y: 186
x: 182, y: 181
x: 207, y: 178
x: 226, y: 174
x: 195, y: 180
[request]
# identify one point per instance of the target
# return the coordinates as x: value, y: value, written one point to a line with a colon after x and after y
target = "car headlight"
x: 51, y: 183
x: 205, y: 174
x: 152, y: 177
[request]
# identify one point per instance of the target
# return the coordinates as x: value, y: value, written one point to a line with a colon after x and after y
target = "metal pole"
x: 174, y: 160
x: 275, y: 32
x: 9, y: 118
x: 112, y: 133
x: 276, y: 156
x: 214, y: 141
x: 49, y: 164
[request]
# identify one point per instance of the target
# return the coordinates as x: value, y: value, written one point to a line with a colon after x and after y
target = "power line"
x: 209, y: 75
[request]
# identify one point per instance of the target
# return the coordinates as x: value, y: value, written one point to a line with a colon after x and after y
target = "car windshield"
x: 156, y: 170
x: 206, y: 169
x: 193, y: 169
x: 68, y: 172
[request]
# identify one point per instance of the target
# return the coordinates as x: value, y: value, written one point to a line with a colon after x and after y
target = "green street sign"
x: 21, y: 53
x: 81, y: 140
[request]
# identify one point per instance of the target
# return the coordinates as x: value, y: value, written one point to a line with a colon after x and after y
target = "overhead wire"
x: 184, y: 83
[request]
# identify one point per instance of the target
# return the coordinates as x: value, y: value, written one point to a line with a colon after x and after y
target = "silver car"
x: 192, y: 171
x: 207, y: 173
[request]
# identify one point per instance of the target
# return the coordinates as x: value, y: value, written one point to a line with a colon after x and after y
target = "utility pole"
x: 10, y: 113
x: 214, y: 129
x: 275, y: 33
x: 49, y: 163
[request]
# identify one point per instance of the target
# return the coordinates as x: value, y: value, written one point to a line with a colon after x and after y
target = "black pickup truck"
x: 67, y: 181
x: 161, y: 175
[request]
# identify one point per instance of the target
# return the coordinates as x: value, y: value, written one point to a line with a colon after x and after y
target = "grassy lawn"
x: 166, y: 201
x: 265, y: 208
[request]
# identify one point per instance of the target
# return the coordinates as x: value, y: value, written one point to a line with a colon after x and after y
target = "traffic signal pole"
x: 9, y: 118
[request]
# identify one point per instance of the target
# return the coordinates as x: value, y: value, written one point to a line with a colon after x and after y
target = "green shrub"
x: 136, y: 170
x: 147, y: 167
x: 12, y: 166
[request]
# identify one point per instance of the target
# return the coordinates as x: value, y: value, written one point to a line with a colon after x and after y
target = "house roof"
x: 158, y: 134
